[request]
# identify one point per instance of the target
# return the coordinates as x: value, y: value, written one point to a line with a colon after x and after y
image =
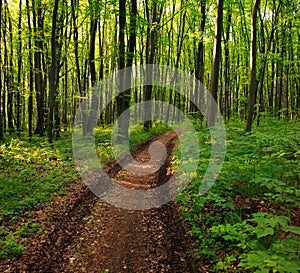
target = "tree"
x: 215, y: 70
x: 38, y: 22
x: 19, y: 82
x: 1, y: 65
x: 31, y: 79
x: 10, y: 77
x: 45, y: 70
x: 92, y: 65
x: 123, y: 133
x: 253, y: 83
x: 227, y: 79
x: 266, y: 54
x: 123, y: 100
x: 53, y: 80
x: 153, y: 21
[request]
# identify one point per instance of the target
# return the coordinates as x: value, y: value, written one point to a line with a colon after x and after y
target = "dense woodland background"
x: 53, y: 52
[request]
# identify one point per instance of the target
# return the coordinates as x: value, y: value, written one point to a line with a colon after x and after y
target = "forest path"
x: 84, y: 234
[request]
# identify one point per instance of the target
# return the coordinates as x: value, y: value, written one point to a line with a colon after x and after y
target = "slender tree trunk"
x: 262, y: 75
x: 244, y: 24
x: 93, y: 31
x: 1, y: 70
x: 5, y: 70
x: 272, y: 85
x: 266, y: 54
x: 38, y: 72
x: 215, y: 70
x: 65, y: 87
x: 130, y: 57
x: 253, y: 83
x: 133, y: 33
x: 293, y: 79
x: 31, y: 79
x: 94, y: 102
x: 169, y: 62
x: 101, y: 69
x: 200, y: 65
x: 150, y: 54
x: 124, y: 98
x: 298, y: 82
x: 19, y: 87
x: 53, y: 72
x: 180, y: 40
x: 227, y: 66
x: 11, y: 80
x: 121, y: 97
x: 286, y: 92
x: 75, y: 38
x: 74, y: 7
x: 279, y: 83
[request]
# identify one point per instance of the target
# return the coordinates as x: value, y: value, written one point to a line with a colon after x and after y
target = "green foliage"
x: 31, y: 171
x: 27, y: 228
x: 137, y: 134
x: 244, y: 224
x: 10, y: 247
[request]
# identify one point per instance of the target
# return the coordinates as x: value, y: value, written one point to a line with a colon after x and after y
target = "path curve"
x: 84, y: 234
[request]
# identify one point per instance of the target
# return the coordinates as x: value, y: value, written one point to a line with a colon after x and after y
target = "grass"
x: 30, y: 172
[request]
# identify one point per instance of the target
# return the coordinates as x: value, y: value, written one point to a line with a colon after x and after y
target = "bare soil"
x: 84, y: 234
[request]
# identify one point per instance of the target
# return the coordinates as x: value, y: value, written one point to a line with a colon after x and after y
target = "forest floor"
x: 84, y: 234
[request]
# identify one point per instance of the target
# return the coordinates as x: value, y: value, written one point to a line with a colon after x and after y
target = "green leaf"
x: 253, y: 260
x: 271, y: 263
x: 264, y: 270
x: 293, y: 229
x: 264, y: 232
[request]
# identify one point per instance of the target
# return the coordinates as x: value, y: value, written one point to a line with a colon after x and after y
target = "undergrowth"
x: 247, y: 221
x: 31, y: 170
x: 103, y: 139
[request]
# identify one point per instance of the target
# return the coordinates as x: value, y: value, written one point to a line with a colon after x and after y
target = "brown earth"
x: 84, y: 234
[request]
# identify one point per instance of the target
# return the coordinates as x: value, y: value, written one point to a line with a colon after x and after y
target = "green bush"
x: 244, y: 224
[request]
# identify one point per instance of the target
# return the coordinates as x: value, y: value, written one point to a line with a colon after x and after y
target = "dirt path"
x: 86, y: 235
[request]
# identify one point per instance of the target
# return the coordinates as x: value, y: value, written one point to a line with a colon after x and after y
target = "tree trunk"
x: 266, y: 54
x: 53, y: 72
x: 199, y: 65
x: 272, y: 85
x: 227, y: 67
x: 1, y: 70
x: 253, y: 83
x: 11, y: 83
x: 215, y: 70
x: 121, y: 97
x: 94, y: 102
x: 280, y: 67
x: 31, y: 79
x: 19, y: 87
x: 178, y: 54
x: 5, y: 71
x: 38, y: 73
x: 150, y: 54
